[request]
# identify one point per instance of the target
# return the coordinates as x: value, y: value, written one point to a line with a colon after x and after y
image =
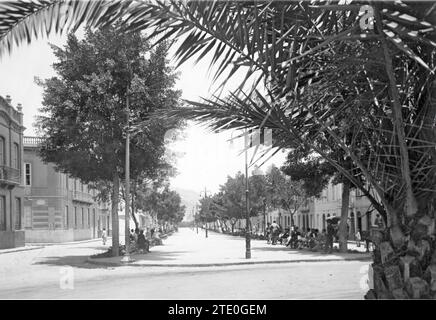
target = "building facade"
x: 11, y: 170
x: 329, y: 204
x: 58, y: 208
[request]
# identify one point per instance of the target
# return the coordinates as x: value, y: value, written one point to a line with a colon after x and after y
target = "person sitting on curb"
x: 156, y: 240
x: 143, y: 243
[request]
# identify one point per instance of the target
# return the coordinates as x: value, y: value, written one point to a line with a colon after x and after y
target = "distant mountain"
x: 189, y: 200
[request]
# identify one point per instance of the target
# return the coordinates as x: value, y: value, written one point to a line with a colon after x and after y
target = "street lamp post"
x: 126, y: 257
x: 247, y: 205
x: 264, y: 215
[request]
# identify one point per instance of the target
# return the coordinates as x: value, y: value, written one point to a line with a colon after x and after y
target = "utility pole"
x: 247, y: 204
x: 126, y: 258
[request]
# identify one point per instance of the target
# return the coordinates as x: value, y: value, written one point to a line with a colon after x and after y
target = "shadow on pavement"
x: 160, y: 256
x: 71, y: 261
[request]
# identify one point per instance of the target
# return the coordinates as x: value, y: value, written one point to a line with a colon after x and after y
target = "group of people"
x: 305, y: 239
x: 138, y: 239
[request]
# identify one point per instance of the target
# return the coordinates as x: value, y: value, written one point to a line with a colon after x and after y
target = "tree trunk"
x: 134, y: 207
x: 115, y: 227
x: 343, y: 225
x: 408, y: 271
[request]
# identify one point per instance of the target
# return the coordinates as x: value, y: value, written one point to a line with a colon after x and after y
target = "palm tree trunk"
x: 343, y: 225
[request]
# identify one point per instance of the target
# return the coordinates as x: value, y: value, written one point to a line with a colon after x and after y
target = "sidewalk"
x: 109, y: 239
x: 35, y: 246
x: 186, y: 248
x: 18, y: 249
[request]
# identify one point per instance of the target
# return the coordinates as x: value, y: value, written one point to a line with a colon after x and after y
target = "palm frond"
x: 23, y: 21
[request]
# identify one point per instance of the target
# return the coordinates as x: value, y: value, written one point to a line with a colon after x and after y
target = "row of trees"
x: 355, y: 89
x: 271, y: 190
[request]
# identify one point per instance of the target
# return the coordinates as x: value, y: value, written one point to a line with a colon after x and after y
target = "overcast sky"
x: 206, y: 158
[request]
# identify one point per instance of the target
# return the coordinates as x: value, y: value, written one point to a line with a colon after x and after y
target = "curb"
x: 23, y: 249
x: 67, y: 243
x: 199, y: 265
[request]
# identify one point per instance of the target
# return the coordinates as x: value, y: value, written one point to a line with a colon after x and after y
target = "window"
x: 75, y: 217
x: 89, y: 218
x: 2, y: 151
x: 16, y: 156
x: 66, y: 218
x: 17, y: 213
x: 2, y: 214
x: 66, y: 181
x: 28, y: 174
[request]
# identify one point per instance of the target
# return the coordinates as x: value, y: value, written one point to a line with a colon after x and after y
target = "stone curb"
x: 23, y: 249
x: 120, y: 264
x: 67, y: 243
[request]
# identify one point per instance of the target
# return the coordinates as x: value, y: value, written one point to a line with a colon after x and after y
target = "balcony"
x: 32, y: 141
x: 83, y: 197
x: 9, y: 177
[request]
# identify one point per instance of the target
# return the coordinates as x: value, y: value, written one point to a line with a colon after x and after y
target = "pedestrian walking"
x: 358, y: 238
x: 104, y: 236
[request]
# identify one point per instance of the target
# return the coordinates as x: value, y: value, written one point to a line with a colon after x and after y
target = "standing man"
x: 275, y: 228
x: 329, y: 237
x: 104, y: 236
x: 268, y: 233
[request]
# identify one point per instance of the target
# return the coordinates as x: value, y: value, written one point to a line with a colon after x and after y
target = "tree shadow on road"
x: 69, y: 261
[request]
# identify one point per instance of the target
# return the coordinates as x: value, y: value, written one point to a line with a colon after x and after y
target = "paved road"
x: 187, y: 247
x: 38, y: 274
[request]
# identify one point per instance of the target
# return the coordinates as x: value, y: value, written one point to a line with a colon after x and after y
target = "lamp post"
x: 264, y: 215
x: 126, y: 257
x: 247, y: 204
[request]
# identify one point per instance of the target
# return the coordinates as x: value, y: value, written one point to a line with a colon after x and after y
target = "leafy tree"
x: 84, y: 108
x: 160, y: 201
x: 284, y: 192
x: 169, y: 208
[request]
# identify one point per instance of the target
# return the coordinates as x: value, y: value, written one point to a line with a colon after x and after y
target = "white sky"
x: 207, y: 158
